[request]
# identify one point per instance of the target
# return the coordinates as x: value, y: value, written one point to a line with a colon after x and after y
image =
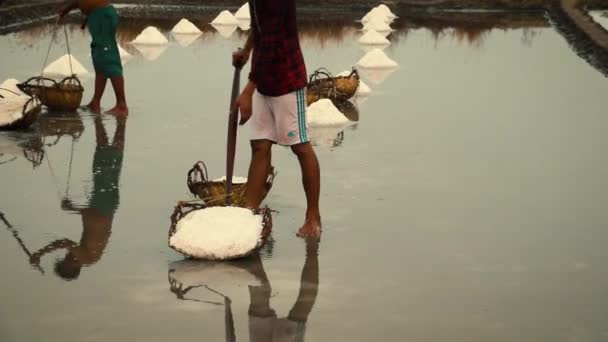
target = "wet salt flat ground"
x: 468, y: 203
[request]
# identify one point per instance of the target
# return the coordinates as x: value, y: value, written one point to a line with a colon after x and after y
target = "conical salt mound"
x: 11, y: 85
x: 383, y: 9
x: 185, y: 26
x: 150, y: 36
x: 324, y: 113
x: 225, y: 18
x: 61, y: 67
x: 372, y: 37
x: 376, y: 59
x: 377, y: 25
x: 377, y: 15
x: 243, y: 12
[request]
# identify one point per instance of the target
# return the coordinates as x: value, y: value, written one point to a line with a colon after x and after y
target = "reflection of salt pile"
x: 324, y: 113
x: 235, y: 180
x: 225, y: 18
x: 150, y: 36
x: 185, y: 26
x: 151, y: 52
x: 377, y: 25
x: 225, y: 30
x: 11, y: 85
x: 376, y: 59
x: 218, y: 233
x: 11, y: 108
x: 376, y: 75
x: 326, y: 135
x: 372, y: 37
x: 244, y: 24
x: 61, y: 67
x: 185, y: 40
x: 124, y: 55
x: 243, y: 12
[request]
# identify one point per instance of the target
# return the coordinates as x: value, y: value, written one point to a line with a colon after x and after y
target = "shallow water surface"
x: 467, y: 203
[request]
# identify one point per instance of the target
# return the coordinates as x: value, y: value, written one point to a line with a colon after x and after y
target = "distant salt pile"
x: 377, y: 15
x: 324, y: 113
x: 61, y: 67
x: 11, y: 108
x: 150, y: 36
x: 377, y: 25
x: 124, y: 55
x: 11, y: 85
x: 185, y: 26
x: 376, y: 59
x: 243, y: 12
x: 372, y: 37
x: 225, y: 18
x: 218, y: 233
x: 385, y: 10
x: 235, y: 180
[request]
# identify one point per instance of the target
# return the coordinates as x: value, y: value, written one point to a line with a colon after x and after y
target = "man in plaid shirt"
x: 274, y: 102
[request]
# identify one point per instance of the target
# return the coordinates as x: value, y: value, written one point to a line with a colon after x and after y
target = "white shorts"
x: 281, y: 119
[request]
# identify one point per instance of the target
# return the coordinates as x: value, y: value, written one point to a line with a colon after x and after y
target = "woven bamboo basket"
x: 214, y: 192
x: 65, y: 95
x: 323, y: 85
x: 182, y: 209
x: 30, y: 113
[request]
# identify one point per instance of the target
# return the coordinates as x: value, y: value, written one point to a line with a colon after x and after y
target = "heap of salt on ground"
x: 363, y: 90
x: 376, y: 14
x: 185, y: 26
x: 150, y: 36
x: 225, y: 18
x: 61, y: 67
x: 11, y: 85
x: 218, y: 233
x: 385, y: 10
x: 11, y: 108
x: 324, y: 113
x: 372, y: 37
x: 235, y: 180
x: 376, y: 59
x: 243, y: 12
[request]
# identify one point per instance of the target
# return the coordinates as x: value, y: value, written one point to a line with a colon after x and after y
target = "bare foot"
x: 119, y: 110
x: 94, y: 107
x: 311, y: 228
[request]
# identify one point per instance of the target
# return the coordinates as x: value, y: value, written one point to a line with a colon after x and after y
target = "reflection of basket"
x: 58, y: 126
x: 30, y: 112
x: 348, y: 109
x: 214, y: 192
x: 184, y: 208
x: 322, y: 85
x: 64, y: 95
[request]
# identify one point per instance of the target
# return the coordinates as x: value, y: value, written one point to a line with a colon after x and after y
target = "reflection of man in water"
x: 97, y: 217
x: 264, y: 326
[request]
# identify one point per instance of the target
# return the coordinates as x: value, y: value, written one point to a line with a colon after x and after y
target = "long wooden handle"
x: 232, y: 127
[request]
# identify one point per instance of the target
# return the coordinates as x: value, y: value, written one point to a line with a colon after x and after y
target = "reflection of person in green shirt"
x: 98, y: 215
x: 264, y: 326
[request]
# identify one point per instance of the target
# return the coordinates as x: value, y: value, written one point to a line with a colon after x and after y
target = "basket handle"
x: 198, y: 171
x: 71, y: 78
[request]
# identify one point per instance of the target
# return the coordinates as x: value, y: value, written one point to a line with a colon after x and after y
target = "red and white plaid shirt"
x: 277, y: 65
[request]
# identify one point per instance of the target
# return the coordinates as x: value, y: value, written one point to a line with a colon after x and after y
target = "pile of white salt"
x: 11, y: 108
x: 61, y: 67
x: 372, y: 37
x: 225, y: 18
x: 185, y: 26
x: 218, y: 233
x: 235, y: 180
x: 150, y: 36
x: 381, y: 12
x: 243, y: 12
x: 11, y: 85
x: 324, y: 113
x: 376, y: 59
x: 385, y: 10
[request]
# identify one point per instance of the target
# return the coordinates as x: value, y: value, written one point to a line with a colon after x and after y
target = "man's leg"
x: 261, y: 152
x: 100, y: 86
x: 311, y: 179
x: 118, y: 83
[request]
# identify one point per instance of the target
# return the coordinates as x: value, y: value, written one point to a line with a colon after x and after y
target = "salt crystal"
x: 372, y: 37
x: 11, y: 85
x: 185, y: 26
x: 377, y: 25
x: 324, y: 113
x: 150, y: 36
x: 61, y: 67
x: 11, y: 108
x: 376, y: 59
x: 235, y: 180
x: 218, y: 233
x: 225, y: 18
x: 243, y: 12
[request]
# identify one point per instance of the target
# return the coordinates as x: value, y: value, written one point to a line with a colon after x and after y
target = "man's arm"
x: 53, y: 246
